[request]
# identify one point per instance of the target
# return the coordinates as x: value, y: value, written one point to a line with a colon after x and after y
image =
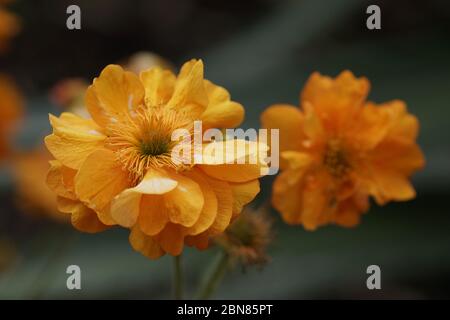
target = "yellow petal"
x: 66, y: 205
x: 171, y: 239
x: 100, y: 179
x: 73, y: 139
x: 235, y: 160
x: 125, y: 208
x: 223, y: 192
x: 390, y: 185
x: 335, y: 100
x: 243, y: 193
x: 189, y: 94
x: 156, y: 181
x: 316, y: 203
x: 369, y: 127
x: 297, y: 160
x: 153, y: 215
x: 105, y: 216
x: 288, y: 119
x: 349, y: 211
x: 86, y: 220
x: 185, y: 202
x: 159, y: 85
x: 145, y: 244
x: 286, y: 196
x: 209, y: 210
x: 403, y: 125
x: 224, y: 197
x: 221, y: 111
x: 312, y: 124
x: 60, y: 180
x: 113, y: 95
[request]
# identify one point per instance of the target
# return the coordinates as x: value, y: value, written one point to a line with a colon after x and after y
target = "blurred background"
x: 262, y: 51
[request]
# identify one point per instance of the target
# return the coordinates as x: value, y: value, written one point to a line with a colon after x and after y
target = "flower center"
x: 155, y: 145
x: 335, y: 159
x: 144, y: 139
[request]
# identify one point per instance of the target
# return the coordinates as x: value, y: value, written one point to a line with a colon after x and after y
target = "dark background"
x: 262, y: 51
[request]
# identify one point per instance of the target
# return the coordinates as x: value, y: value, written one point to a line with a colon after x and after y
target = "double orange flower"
x: 337, y: 149
x: 117, y: 168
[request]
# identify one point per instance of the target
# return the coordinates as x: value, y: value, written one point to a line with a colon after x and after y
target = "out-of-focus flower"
x: 119, y: 164
x: 145, y: 60
x: 11, y: 109
x: 69, y: 94
x: 338, y: 149
x: 9, y: 26
x: 34, y: 196
x: 247, y: 238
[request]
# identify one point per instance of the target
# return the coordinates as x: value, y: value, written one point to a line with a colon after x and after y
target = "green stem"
x: 178, y: 278
x: 215, y: 275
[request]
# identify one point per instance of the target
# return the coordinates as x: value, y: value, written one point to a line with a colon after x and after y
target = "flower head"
x: 247, y: 238
x: 338, y: 149
x: 119, y: 167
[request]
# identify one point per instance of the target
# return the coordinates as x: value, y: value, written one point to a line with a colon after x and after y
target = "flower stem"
x: 178, y: 278
x: 215, y: 275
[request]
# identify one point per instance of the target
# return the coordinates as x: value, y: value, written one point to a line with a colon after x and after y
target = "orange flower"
x: 9, y: 26
x: 30, y: 170
x: 117, y: 167
x: 338, y: 149
x: 10, y: 111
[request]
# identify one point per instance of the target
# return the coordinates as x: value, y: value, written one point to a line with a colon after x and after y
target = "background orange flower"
x: 338, y: 149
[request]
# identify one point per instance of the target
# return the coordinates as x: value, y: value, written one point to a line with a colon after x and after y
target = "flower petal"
x: 349, y: 211
x: 86, y: 220
x: 100, y: 179
x: 243, y: 193
x: 224, y: 196
x: 185, y: 202
x: 125, y: 208
x: 317, y: 205
x: 60, y: 180
x: 189, y: 94
x: 145, y: 244
x: 171, y: 239
x: 66, y: 205
x: 210, y: 207
x: 288, y: 119
x: 335, y: 100
x: 286, y: 196
x: 113, y: 95
x: 221, y: 111
x: 235, y: 160
x: 156, y: 181
x: 390, y: 185
x: 153, y: 215
x: 73, y: 139
x: 159, y: 85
